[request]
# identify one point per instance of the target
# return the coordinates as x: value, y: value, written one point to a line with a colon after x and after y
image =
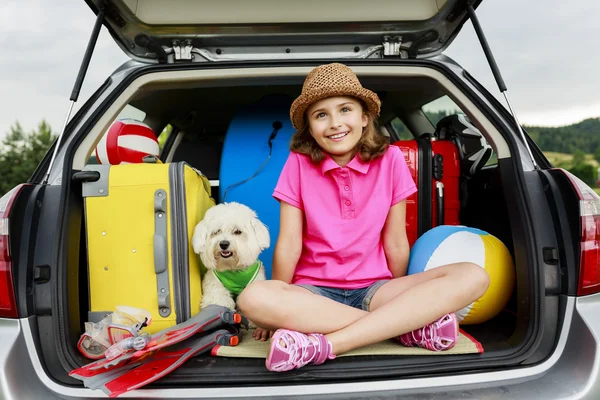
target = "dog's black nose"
x: 224, y: 244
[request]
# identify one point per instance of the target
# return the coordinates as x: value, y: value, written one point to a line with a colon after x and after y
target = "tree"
x: 578, y: 157
x: 566, y: 139
x: 585, y: 172
x: 579, y: 167
x: 20, y: 154
x: 597, y: 155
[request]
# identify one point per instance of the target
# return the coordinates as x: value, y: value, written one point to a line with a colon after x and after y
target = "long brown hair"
x: 372, y: 143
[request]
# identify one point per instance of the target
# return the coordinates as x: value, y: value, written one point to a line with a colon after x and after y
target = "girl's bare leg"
x: 398, y: 309
x: 399, y: 306
x: 275, y: 304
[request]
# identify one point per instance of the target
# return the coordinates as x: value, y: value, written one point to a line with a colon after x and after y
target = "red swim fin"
x: 209, y: 318
x: 155, y: 365
x: 164, y: 362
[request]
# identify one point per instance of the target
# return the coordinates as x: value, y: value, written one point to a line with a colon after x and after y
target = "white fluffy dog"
x: 229, y: 240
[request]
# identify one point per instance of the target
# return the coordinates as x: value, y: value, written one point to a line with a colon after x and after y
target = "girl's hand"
x: 262, y: 334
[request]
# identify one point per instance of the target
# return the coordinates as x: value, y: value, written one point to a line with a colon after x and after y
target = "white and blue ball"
x: 446, y: 244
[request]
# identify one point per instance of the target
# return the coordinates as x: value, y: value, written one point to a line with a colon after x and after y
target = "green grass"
x: 565, y: 160
x: 559, y: 158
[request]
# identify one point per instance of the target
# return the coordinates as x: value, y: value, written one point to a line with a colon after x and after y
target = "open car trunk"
x: 207, y: 30
x: 200, y: 104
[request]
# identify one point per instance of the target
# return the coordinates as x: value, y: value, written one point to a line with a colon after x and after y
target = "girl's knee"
x: 258, y: 294
x: 477, y: 277
x: 251, y: 294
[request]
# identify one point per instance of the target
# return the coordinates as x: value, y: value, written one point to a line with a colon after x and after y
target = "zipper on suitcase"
x: 179, y: 246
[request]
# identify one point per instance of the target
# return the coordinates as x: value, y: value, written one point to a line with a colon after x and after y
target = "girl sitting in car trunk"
x: 340, y: 262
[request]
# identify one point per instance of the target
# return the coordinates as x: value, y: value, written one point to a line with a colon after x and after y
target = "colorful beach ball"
x: 127, y: 141
x: 452, y: 244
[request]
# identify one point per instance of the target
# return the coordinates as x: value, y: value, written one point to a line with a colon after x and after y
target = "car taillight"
x: 589, y: 242
x: 8, y: 305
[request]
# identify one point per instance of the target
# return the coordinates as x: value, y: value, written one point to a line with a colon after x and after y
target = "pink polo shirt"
x: 344, y: 213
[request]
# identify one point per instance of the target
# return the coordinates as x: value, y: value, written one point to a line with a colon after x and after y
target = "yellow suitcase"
x: 139, y: 222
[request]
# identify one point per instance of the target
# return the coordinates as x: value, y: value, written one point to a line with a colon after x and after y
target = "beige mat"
x: 250, y: 348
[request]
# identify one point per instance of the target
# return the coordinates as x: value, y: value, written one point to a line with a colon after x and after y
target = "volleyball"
x: 127, y: 141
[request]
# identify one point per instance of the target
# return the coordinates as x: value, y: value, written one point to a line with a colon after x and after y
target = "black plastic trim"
x: 58, y: 299
x: 23, y: 217
x: 563, y: 201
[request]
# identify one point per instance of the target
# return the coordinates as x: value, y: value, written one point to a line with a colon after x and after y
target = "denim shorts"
x: 357, y: 298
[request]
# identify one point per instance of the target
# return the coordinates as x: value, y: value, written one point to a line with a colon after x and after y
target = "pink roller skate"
x: 437, y: 336
x: 291, y: 349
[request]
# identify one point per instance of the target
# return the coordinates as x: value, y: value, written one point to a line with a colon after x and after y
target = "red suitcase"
x: 435, y: 167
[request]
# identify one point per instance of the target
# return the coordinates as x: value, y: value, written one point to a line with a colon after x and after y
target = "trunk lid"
x: 208, y: 30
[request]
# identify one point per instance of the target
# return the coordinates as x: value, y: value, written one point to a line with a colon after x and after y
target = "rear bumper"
x: 571, y: 372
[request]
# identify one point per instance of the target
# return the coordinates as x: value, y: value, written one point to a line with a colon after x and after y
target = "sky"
x: 544, y: 48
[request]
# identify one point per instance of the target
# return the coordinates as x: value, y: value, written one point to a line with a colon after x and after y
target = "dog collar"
x: 236, y: 280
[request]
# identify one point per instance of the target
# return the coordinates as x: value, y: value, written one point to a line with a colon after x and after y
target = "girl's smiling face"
x: 336, y: 124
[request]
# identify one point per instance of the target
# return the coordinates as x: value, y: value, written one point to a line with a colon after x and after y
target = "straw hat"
x: 331, y: 80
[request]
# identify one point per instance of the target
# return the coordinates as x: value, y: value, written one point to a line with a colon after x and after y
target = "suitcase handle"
x: 161, y: 252
x: 440, y: 203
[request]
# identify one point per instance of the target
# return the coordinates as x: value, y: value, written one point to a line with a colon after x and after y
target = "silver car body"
x: 570, y: 372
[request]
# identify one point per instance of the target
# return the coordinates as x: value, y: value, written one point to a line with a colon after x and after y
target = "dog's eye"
x: 215, y: 233
x: 237, y: 232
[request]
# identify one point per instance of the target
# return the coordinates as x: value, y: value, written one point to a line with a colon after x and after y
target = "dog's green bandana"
x: 236, y: 280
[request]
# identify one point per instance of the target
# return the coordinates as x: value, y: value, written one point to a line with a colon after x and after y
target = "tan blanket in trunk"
x: 250, y: 348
